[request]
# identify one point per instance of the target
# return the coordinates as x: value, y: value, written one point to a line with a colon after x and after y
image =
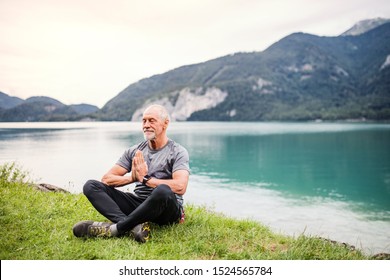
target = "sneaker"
x: 141, y: 232
x: 92, y: 229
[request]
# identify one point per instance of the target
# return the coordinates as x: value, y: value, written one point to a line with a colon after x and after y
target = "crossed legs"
x: 128, y: 211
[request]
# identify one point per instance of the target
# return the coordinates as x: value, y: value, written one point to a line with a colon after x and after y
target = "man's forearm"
x: 116, y: 180
x: 177, y: 186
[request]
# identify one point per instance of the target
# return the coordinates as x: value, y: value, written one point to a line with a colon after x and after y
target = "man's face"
x: 152, y: 124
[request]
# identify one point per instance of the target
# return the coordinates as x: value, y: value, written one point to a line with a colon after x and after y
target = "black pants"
x: 128, y: 210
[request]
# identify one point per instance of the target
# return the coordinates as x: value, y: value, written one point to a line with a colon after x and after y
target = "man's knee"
x: 162, y: 191
x: 90, y: 186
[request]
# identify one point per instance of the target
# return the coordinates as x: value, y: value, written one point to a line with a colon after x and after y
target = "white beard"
x: 150, y: 136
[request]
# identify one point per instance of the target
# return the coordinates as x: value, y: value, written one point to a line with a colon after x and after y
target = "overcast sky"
x: 87, y: 51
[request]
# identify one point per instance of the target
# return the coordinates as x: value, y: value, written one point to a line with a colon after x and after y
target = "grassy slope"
x: 38, y: 226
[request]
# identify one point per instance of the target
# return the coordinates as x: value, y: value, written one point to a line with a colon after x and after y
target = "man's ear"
x: 166, y: 122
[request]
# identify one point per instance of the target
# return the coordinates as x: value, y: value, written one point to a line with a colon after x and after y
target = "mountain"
x: 84, y: 109
x: 44, y: 99
x: 41, y: 108
x: 7, y: 101
x: 364, y: 26
x: 300, y: 77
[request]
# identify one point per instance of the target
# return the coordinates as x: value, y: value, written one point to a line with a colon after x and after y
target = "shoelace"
x: 145, y: 231
x: 146, y: 227
x: 100, y: 231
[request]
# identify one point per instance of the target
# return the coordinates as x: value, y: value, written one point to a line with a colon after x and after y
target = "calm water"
x: 331, y: 180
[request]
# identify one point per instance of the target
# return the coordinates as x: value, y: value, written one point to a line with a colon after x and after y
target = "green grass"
x: 37, y: 225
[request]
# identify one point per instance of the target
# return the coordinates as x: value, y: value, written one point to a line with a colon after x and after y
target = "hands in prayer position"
x: 139, y: 168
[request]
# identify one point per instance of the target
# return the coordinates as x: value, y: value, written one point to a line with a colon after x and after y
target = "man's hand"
x: 140, y: 166
x: 133, y: 172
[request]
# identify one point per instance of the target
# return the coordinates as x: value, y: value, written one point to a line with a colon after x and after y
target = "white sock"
x: 114, y: 230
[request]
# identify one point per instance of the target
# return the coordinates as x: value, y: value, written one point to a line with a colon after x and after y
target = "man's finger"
x: 133, y: 172
x: 137, y: 156
x: 140, y: 157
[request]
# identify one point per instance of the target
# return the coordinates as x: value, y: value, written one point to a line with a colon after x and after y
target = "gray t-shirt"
x: 161, y: 163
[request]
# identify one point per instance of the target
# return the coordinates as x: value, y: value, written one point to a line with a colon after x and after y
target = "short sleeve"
x: 182, y: 160
x: 126, y: 159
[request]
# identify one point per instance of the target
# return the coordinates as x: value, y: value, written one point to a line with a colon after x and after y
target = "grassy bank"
x: 37, y: 226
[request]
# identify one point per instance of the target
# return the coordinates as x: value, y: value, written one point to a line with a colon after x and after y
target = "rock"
x: 49, y: 188
x: 181, y: 104
x: 346, y: 245
x: 381, y: 256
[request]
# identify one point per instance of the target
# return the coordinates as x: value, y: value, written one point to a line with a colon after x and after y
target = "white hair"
x: 163, y: 112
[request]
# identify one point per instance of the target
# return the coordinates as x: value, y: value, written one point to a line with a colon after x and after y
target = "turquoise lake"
x: 322, y: 179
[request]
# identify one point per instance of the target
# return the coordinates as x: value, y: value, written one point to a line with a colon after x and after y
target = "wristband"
x: 146, y: 179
